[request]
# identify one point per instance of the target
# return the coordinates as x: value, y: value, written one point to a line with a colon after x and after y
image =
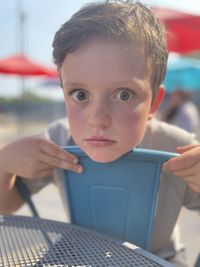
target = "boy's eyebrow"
x: 134, y: 82
x: 73, y: 84
x: 137, y: 83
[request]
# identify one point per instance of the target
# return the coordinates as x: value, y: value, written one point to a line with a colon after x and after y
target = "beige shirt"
x: 173, y: 192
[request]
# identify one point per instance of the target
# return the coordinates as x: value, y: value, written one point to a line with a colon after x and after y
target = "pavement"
x: 49, y: 206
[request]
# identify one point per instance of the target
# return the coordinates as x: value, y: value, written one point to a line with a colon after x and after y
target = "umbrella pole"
x: 22, y: 116
x: 22, y: 21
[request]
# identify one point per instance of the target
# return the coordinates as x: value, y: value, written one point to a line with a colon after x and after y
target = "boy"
x: 111, y: 59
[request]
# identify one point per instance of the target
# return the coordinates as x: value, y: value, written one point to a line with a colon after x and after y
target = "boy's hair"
x: 118, y: 20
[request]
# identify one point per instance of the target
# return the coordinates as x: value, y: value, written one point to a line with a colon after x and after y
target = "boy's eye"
x: 124, y: 95
x: 80, y: 95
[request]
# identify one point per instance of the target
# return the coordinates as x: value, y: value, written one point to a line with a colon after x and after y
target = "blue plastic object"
x: 117, y: 198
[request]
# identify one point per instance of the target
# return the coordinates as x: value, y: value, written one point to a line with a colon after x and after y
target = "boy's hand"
x: 35, y: 157
x: 187, y: 165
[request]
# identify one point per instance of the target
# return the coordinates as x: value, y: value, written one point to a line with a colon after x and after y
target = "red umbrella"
x: 183, y: 30
x: 23, y: 66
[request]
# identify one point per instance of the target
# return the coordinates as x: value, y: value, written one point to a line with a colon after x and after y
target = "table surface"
x: 28, y: 241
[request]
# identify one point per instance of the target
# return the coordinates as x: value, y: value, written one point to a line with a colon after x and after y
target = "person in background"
x: 182, y: 112
x: 111, y: 59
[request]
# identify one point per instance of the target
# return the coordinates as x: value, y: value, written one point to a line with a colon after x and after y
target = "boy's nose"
x: 99, y: 117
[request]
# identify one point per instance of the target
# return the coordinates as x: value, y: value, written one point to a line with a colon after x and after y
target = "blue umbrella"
x: 183, y: 73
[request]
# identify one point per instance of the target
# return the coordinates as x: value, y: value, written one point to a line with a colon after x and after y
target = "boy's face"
x: 108, y: 96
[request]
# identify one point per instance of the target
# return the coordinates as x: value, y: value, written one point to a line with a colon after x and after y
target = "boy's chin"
x: 103, y: 158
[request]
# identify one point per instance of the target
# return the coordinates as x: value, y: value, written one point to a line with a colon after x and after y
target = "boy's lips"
x: 99, y: 141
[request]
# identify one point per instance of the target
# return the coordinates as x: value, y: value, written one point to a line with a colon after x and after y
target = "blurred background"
x: 31, y: 98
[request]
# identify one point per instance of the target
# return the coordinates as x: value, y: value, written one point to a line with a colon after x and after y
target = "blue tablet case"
x: 117, y: 198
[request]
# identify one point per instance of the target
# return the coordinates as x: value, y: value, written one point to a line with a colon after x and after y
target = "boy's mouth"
x: 99, y: 141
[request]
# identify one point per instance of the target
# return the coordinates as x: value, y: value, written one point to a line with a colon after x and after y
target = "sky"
x: 42, y: 19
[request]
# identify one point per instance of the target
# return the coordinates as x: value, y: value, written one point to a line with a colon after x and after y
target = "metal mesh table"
x: 27, y: 241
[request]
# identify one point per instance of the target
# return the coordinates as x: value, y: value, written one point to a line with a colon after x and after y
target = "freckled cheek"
x: 130, y: 121
x: 132, y: 124
x: 133, y: 114
x: 76, y: 119
x: 75, y: 113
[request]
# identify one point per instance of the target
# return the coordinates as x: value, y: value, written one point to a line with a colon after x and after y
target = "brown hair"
x: 128, y: 20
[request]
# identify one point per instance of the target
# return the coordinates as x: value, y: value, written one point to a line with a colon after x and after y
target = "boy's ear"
x: 157, y: 100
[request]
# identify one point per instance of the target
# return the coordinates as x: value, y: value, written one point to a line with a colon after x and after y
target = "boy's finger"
x: 190, y: 171
x: 60, y: 163
x: 190, y: 179
x: 183, y: 149
x: 187, y: 172
x: 194, y: 187
x: 182, y: 162
x: 56, y: 151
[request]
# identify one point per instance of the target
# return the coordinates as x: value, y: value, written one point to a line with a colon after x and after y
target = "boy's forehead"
x: 113, y: 59
x: 108, y: 42
x: 103, y: 46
